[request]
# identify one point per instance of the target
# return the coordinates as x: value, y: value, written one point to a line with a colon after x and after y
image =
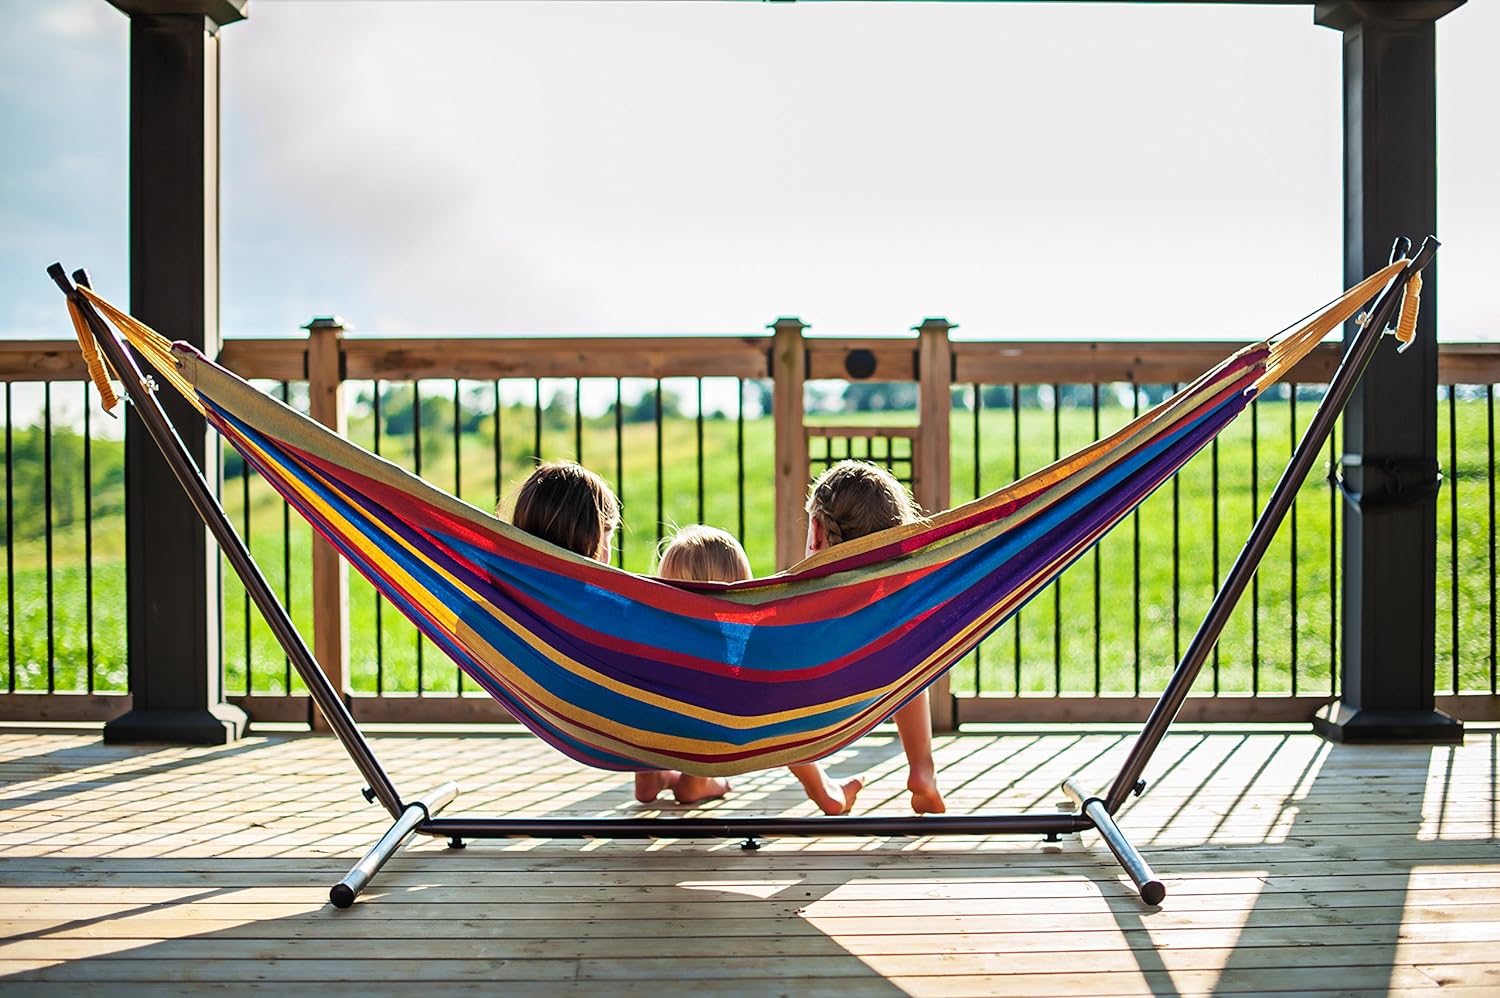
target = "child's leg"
x: 650, y: 784
x: 822, y: 791
x: 914, y: 725
x: 696, y: 789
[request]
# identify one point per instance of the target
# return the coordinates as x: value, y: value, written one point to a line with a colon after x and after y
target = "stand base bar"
x: 343, y: 893
x: 1151, y: 889
x: 744, y: 828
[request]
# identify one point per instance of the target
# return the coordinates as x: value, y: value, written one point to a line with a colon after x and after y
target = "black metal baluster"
x: 1214, y: 545
x: 416, y: 453
x: 660, y: 472
x: 1135, y: 569
x: 500, y: 473
x: 536, y: 416
x: 1015, y: 474
x: 1292, y: 513
x: 379, y: 628
x: 1490, y: 440
x: 88, y: 550
x: 245, y: 472
x: 1098, y: 563
x: 458, y: 446
x: 620, y: 460
x: 1176, y: 558
x: 1333, y: 567
x: 458, y: 493
x: 739, y: 455
x: 10, y: 544
x: 47, y: 527
x: 286, y: 555
x: 978, y: 406
x: 1255, y: 576
x: 1453, y: 524
x: 1057, y: 582
x: 578, y: 420
x: 701, y: 513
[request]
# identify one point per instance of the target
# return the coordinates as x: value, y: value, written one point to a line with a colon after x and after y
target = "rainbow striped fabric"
x: 623, y: 671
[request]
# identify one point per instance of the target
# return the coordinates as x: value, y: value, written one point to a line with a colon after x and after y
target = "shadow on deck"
x: 1292, y: 865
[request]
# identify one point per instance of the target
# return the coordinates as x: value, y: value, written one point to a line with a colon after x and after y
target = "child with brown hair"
x: 848, y: 501
x: 572, y: 507
x: 707, y: 554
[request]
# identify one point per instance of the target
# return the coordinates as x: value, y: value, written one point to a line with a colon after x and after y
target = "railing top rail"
x: 888, y: 358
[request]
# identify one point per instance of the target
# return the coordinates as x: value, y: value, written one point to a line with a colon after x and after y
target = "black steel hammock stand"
x: 420, y: 815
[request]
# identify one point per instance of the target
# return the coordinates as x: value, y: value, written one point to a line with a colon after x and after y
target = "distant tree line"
x: 28, y: 485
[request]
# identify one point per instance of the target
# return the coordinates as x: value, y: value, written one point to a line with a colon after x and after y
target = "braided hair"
x: 855, y: 498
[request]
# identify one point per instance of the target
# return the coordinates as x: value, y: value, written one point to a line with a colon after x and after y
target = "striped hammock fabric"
x: 627, y: 672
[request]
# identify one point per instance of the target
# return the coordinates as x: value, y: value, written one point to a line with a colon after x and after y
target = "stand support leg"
x: 1152, y: 890
x: 343, y: 893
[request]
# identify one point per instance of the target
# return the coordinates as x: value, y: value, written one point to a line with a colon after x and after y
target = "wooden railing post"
x: 788, y: 372
x: 932, y: 469
x: 330, y: 575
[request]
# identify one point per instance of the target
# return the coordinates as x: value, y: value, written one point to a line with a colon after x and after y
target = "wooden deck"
x: 1291, y: 866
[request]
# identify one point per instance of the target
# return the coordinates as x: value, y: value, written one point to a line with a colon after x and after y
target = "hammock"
x: 627, y: 672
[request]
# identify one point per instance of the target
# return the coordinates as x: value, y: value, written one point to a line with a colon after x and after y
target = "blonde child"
x: 706, y: 554
x: 847, y: 501
x: 570, y: 506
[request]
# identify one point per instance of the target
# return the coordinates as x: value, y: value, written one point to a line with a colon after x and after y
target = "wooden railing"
x: 327, y: 359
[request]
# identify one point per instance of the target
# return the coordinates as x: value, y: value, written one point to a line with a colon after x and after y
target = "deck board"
x: 1291, y: 866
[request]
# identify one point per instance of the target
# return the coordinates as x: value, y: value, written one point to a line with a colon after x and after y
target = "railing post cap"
x: 788, y: 322
x: 937, y: 322
x: 325, y: 322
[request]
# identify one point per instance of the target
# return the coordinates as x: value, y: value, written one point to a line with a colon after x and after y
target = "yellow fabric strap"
x: 98, y: 371
x: 153, y: 346
x: 1411, y: 304
x: 1288, y: 350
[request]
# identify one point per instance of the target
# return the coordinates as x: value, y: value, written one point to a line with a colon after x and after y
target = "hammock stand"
x: 420, y: 815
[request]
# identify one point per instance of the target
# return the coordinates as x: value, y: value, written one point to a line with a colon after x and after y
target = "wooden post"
x: 1390, y: 460
x: 171, y: 564
x: 330, y: 575
x: 788, y: 372
x: 932, y: 469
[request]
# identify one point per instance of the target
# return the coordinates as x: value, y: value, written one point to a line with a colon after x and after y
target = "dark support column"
x: 1390, y: 465
x: 171, y: 565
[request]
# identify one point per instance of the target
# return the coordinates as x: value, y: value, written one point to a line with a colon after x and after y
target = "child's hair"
x: 855, y: 498
x: 703, y: 554
x: 569, y: 505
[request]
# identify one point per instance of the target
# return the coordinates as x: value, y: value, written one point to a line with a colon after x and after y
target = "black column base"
x: 217, y: 725
x: 1338, y: 722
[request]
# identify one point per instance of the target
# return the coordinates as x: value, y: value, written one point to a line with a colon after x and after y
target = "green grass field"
x: 1057, y: 643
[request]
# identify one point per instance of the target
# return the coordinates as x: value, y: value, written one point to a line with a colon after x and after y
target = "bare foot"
x: 649, y: 785
x: 925, y: 797
x: 697, y: 789
x: 822, y: 791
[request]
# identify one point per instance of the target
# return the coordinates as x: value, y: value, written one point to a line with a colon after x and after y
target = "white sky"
x: 1024, y: 169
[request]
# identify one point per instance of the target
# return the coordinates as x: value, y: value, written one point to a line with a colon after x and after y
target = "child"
x: 847, y: 501
x: 707, y: 554
x: 574, y: 508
